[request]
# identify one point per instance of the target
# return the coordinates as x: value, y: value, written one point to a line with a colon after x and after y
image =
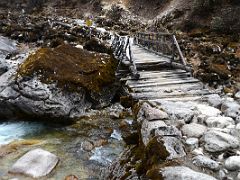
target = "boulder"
x: 216, y: 141
x: 36, y: 163
x: 205, y: 162
x: 182, y: 172
x: 219, y: 122
x: 193, y: 130
x: 232, y: 163
x: 58, y: 83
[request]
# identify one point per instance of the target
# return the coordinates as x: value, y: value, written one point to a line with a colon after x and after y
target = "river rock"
x: 182, y: 172
x: 179, y: 110
x: 192, y: 143
x: 214, y: 100
x: 205, y: 162
x: 193, y: 130
x: 36, y: 163
x: 148, y: 127
x: 216, y: 141
x: 219, y: 122
x: 230, y: 108
x: 232, y: 163
x: 208, y: 111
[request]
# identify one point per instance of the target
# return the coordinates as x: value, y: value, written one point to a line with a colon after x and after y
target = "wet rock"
x: 219, y: 122
x: 216, y: 141
x: 232, y: 163
x: 230, y: 108
x: 87, y: 146
x: 193, y: 130
x: 182, y: 172
x: 206, y: 162
x: 36, y: 163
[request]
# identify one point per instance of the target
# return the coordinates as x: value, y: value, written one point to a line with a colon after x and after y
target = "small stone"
x: 219, y: 122
x: 232, y: 163
x: 214, y: 100
x: 36, y: 163
x: 155, y: 114
x: 208, y: 110
x: 87, y: 146
x: 237, y: 95
x: 216, y: 141
x: 114, y: 115
x: 193, y: 130
x: 192, y: 143
x: 182, y: 172
x: 198, y: 151
x: 71, y: 177
x: 205, y: 162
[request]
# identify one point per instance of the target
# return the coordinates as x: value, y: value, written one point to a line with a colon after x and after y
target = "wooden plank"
x: 184, y: 87
x: 155, y: 84
x: 183, y: 99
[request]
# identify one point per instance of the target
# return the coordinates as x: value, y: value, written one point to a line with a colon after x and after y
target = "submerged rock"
x: 36, y: 163
x: 181, y: 172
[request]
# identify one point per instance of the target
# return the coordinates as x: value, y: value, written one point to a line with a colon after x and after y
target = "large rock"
x: 205, y: 162
x: 216, y: 141
x: 214, y: 100
x: 219, y: 122
x: 208, y: 110
x: 233, y: 163
x: 58, y: 83
x: 193, y: 130
x: 36, y: 163
x: 183, y: 173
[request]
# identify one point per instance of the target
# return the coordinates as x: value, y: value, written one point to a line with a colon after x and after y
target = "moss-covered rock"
x: 70, y: 68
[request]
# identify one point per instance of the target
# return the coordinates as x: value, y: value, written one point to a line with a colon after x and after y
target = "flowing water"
x: 103, y: 144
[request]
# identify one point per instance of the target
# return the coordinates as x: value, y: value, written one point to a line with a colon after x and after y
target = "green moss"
x: 71, y: 68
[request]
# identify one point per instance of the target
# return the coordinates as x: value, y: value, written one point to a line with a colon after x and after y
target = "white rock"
x: 219, y: 122
x: 198, y: 151
x: 238, y: 176
x: 216, y: 141
x: 237, y: 95
x: 193, y: 130
x: 232, y: 163
x: 36, y: 163
x: 230, y: 108
x: 183, y: 173
x: 155, y: 114
x: 205, y: 162
x: 214, y: 100
x: 208, y: 110
x: 192, y: 143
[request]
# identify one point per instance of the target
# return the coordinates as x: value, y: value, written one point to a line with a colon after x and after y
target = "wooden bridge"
x: 152, y: 67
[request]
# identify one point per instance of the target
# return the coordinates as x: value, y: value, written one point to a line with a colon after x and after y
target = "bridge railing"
x: 164, y: 44
x: 122, y: 51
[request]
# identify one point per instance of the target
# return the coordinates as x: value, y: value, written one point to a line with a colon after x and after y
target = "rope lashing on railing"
x: 121, y: 46
x: 163, y: 44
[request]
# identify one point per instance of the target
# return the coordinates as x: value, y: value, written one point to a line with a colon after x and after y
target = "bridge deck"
x: 161, y: 83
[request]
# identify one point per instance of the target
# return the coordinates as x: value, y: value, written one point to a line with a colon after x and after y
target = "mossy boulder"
x: 71, y: 68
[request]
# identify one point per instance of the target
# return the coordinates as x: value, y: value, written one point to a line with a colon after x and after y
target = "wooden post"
x: 179, y: 51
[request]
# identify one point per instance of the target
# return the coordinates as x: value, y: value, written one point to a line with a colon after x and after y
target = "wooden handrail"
x: 164, y: 44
